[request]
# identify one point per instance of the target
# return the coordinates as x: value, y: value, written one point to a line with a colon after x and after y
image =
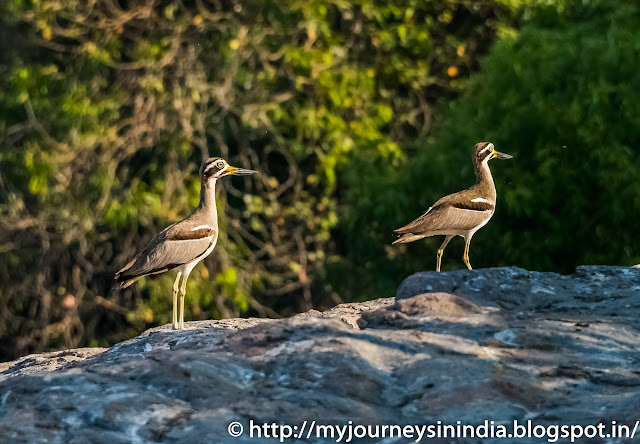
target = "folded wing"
x: 171, y: 248
x: 459, y: 213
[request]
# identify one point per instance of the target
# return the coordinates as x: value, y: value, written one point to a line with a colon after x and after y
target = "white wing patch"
x: 480, y: 199
x: 200, y: 227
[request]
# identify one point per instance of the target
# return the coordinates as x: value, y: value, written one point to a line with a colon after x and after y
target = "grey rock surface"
x: 498, y: 344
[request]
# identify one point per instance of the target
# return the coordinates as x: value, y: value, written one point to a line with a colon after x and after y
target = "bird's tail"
x: 408, y: 237
x: 124, y: 283
x: 122, y: 279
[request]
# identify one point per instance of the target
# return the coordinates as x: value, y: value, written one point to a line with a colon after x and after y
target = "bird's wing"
x: 460, y: 211
x: 176, y: 245
x: 410, y: 227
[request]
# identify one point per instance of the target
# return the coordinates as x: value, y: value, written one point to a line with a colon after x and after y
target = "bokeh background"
x: 358, y: 114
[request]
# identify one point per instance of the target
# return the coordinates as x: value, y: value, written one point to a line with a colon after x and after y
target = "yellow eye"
x: 220, y: 164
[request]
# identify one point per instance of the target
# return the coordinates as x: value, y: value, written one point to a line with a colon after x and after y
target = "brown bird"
x: 462, y: 213
x: 182, y: 245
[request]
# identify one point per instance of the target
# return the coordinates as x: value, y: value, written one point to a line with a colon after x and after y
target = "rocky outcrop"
x: 494, y: 344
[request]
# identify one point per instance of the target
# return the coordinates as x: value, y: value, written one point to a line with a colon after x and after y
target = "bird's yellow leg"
x: 441, y: 251
x: 175, y: 301
x: 183, y: 292
x: 465, y: 258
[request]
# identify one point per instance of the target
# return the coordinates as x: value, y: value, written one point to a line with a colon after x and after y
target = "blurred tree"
x: 560, y: 95
x: 107, y: 107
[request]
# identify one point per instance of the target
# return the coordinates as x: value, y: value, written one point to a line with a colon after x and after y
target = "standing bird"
x: 185, y: 243
x: 462, y: 213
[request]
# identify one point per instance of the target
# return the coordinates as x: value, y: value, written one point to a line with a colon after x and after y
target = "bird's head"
x: 217, y: 167
x: 485, y: 151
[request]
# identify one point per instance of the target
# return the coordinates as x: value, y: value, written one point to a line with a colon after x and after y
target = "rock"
x: 415, y: 311
x: 512, y: 287
x: 506, y: 337
x: 498, y: 344
x: 46, y: 362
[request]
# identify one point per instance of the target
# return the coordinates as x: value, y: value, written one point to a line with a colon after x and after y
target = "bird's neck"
x: 484, y: 180
x: 207, y: 203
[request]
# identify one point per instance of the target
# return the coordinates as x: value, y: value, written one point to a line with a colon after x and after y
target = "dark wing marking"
x: 191, y: 234
x: 473, y: 206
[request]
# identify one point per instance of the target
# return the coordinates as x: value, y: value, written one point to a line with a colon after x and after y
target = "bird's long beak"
x: 499, y: 155
x: 239, y: 171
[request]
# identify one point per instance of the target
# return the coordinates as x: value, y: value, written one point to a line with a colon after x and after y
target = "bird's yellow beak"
x: 498, y: 155
x: 239, y: 171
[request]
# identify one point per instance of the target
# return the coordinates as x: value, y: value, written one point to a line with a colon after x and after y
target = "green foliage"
x: 560, y: 95
x: 108, y: 107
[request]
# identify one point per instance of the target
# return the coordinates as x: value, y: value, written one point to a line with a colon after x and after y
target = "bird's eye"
x: 220, y: 164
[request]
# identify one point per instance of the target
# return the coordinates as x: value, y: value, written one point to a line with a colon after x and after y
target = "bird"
x: 182, y: 245
x: 462, y: 213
